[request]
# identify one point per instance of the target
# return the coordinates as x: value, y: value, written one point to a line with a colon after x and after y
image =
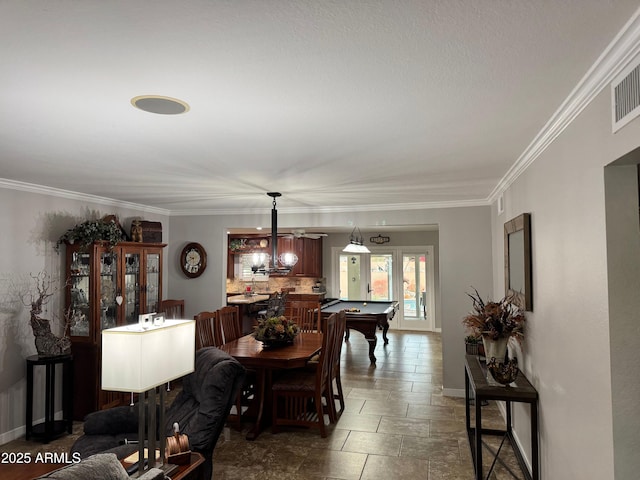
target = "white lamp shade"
x: 355, y: 248
x: 137, y: 360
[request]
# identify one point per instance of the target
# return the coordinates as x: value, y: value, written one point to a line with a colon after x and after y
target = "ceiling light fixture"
x: 160, y: 105
x: 260, y: 261
x: 356, y: 243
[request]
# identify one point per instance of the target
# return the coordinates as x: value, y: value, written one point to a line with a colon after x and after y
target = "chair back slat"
x: 228, y: 323
x: 172, y: 308
x: 335, y: 383
x: 305, y: 313
x: 323, y: 374
x: 205, y: 330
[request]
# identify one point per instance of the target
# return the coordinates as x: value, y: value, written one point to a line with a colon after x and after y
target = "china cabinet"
x: 107, y: 287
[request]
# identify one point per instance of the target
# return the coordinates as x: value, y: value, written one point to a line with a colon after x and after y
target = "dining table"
x: 253, y: 355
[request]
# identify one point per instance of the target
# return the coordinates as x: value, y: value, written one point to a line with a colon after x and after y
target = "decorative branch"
x: 47, y: 343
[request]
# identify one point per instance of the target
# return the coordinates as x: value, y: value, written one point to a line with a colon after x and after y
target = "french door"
x: 403, y: 274
x: 366, y: 276
x: 418, y: 289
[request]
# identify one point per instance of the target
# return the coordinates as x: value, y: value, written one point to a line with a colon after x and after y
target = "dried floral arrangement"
x: 501, y: 319
x: 275, y: 329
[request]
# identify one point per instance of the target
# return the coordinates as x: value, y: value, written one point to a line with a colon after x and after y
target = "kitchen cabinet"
x: 308, y: 250
x: 107, y: 287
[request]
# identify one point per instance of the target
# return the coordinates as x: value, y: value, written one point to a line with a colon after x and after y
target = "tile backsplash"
x: 301, y: 285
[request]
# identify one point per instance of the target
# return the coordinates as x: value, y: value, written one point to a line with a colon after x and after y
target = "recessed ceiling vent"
x: 625, y: 96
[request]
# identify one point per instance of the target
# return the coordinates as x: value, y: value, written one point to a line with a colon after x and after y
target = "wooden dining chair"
x: 172, y: 308
x: 335, y: 383
x: 205, y: 330
x: 306, y: 314
x: 298, y: 394
x: 227, y: 329
x: 275, y: 306
x: 228, y: 323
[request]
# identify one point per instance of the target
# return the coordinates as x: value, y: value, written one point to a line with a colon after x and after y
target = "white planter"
x: 495, y: 348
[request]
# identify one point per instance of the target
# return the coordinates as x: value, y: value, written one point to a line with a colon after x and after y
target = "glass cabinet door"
x: 131, y: 287
x: 108, y: 289
x: 153, y: 282
x: 79, y: 306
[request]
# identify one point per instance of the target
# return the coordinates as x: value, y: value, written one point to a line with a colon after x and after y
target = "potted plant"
x: 473, y: 345
x: 495, y: 323
x: 90, y: 231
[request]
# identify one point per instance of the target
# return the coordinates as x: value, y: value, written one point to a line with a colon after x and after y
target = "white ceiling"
x: 333, y: 103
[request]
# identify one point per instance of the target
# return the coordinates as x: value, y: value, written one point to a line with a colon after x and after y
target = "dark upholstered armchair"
x: 201, y: 410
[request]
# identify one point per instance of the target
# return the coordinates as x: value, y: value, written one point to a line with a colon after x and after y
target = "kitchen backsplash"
x: 302, y: 285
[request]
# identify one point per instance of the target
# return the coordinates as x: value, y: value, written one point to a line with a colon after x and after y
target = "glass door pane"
x: 350, y: 277
x: 381, y: 277
x: 80, y: 307
x: 131, y: 287
x: 108, y: 289
x: 153, y: 282
x: 417, y: 293
x: 413, y: 280
x: 366, y: 276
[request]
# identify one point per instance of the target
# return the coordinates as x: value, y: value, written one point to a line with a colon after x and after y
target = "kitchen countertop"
x: 245, y: 299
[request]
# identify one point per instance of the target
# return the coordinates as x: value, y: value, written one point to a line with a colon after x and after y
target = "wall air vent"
x: 625, y: 96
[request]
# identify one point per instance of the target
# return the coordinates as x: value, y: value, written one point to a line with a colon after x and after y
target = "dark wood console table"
x: 475, y: 378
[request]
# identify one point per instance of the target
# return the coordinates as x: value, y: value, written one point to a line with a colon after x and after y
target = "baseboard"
x: 21, y: 431
x: 12, y: 435
x: 453, y: 392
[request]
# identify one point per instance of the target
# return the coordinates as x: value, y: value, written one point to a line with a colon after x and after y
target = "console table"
x: 485, y: 388
x: 50, y: 428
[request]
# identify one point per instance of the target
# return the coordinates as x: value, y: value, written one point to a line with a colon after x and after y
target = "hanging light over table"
x: 356, y: 243
x: 279, y: 264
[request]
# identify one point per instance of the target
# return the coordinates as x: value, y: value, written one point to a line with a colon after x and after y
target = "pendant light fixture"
x: 356, y: 243
x: 260, y: 261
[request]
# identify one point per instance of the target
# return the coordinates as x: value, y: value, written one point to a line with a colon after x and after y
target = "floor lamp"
x: 140, y: 357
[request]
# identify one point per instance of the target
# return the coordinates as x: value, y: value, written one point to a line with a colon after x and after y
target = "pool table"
x: 367, y: 317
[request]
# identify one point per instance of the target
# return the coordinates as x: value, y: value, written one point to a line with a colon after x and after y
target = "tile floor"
x: 396, y: 425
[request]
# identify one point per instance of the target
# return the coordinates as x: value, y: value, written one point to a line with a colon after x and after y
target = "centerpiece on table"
x: 496, y: 323
x: 275, y: 331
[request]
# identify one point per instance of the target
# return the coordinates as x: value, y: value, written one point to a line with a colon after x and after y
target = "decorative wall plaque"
x: 379, y: 240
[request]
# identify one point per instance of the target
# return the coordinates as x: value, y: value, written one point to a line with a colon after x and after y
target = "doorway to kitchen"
x: 405, y: 274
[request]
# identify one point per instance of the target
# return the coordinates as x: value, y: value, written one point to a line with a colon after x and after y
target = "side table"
x: 475, y: 378
x: 50, y: 428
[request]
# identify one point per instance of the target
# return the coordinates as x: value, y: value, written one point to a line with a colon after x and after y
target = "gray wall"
x: 584, y: 318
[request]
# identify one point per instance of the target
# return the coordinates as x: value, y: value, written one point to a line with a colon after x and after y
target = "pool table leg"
x: 372, y: 346
x: 346, y: 334
x: 385, y: 329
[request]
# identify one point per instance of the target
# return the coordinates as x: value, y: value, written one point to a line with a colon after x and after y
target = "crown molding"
x: 83, y: 197
x: 622, y: 49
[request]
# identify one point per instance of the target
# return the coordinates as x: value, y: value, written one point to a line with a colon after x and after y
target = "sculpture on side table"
x: 47, y: 343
